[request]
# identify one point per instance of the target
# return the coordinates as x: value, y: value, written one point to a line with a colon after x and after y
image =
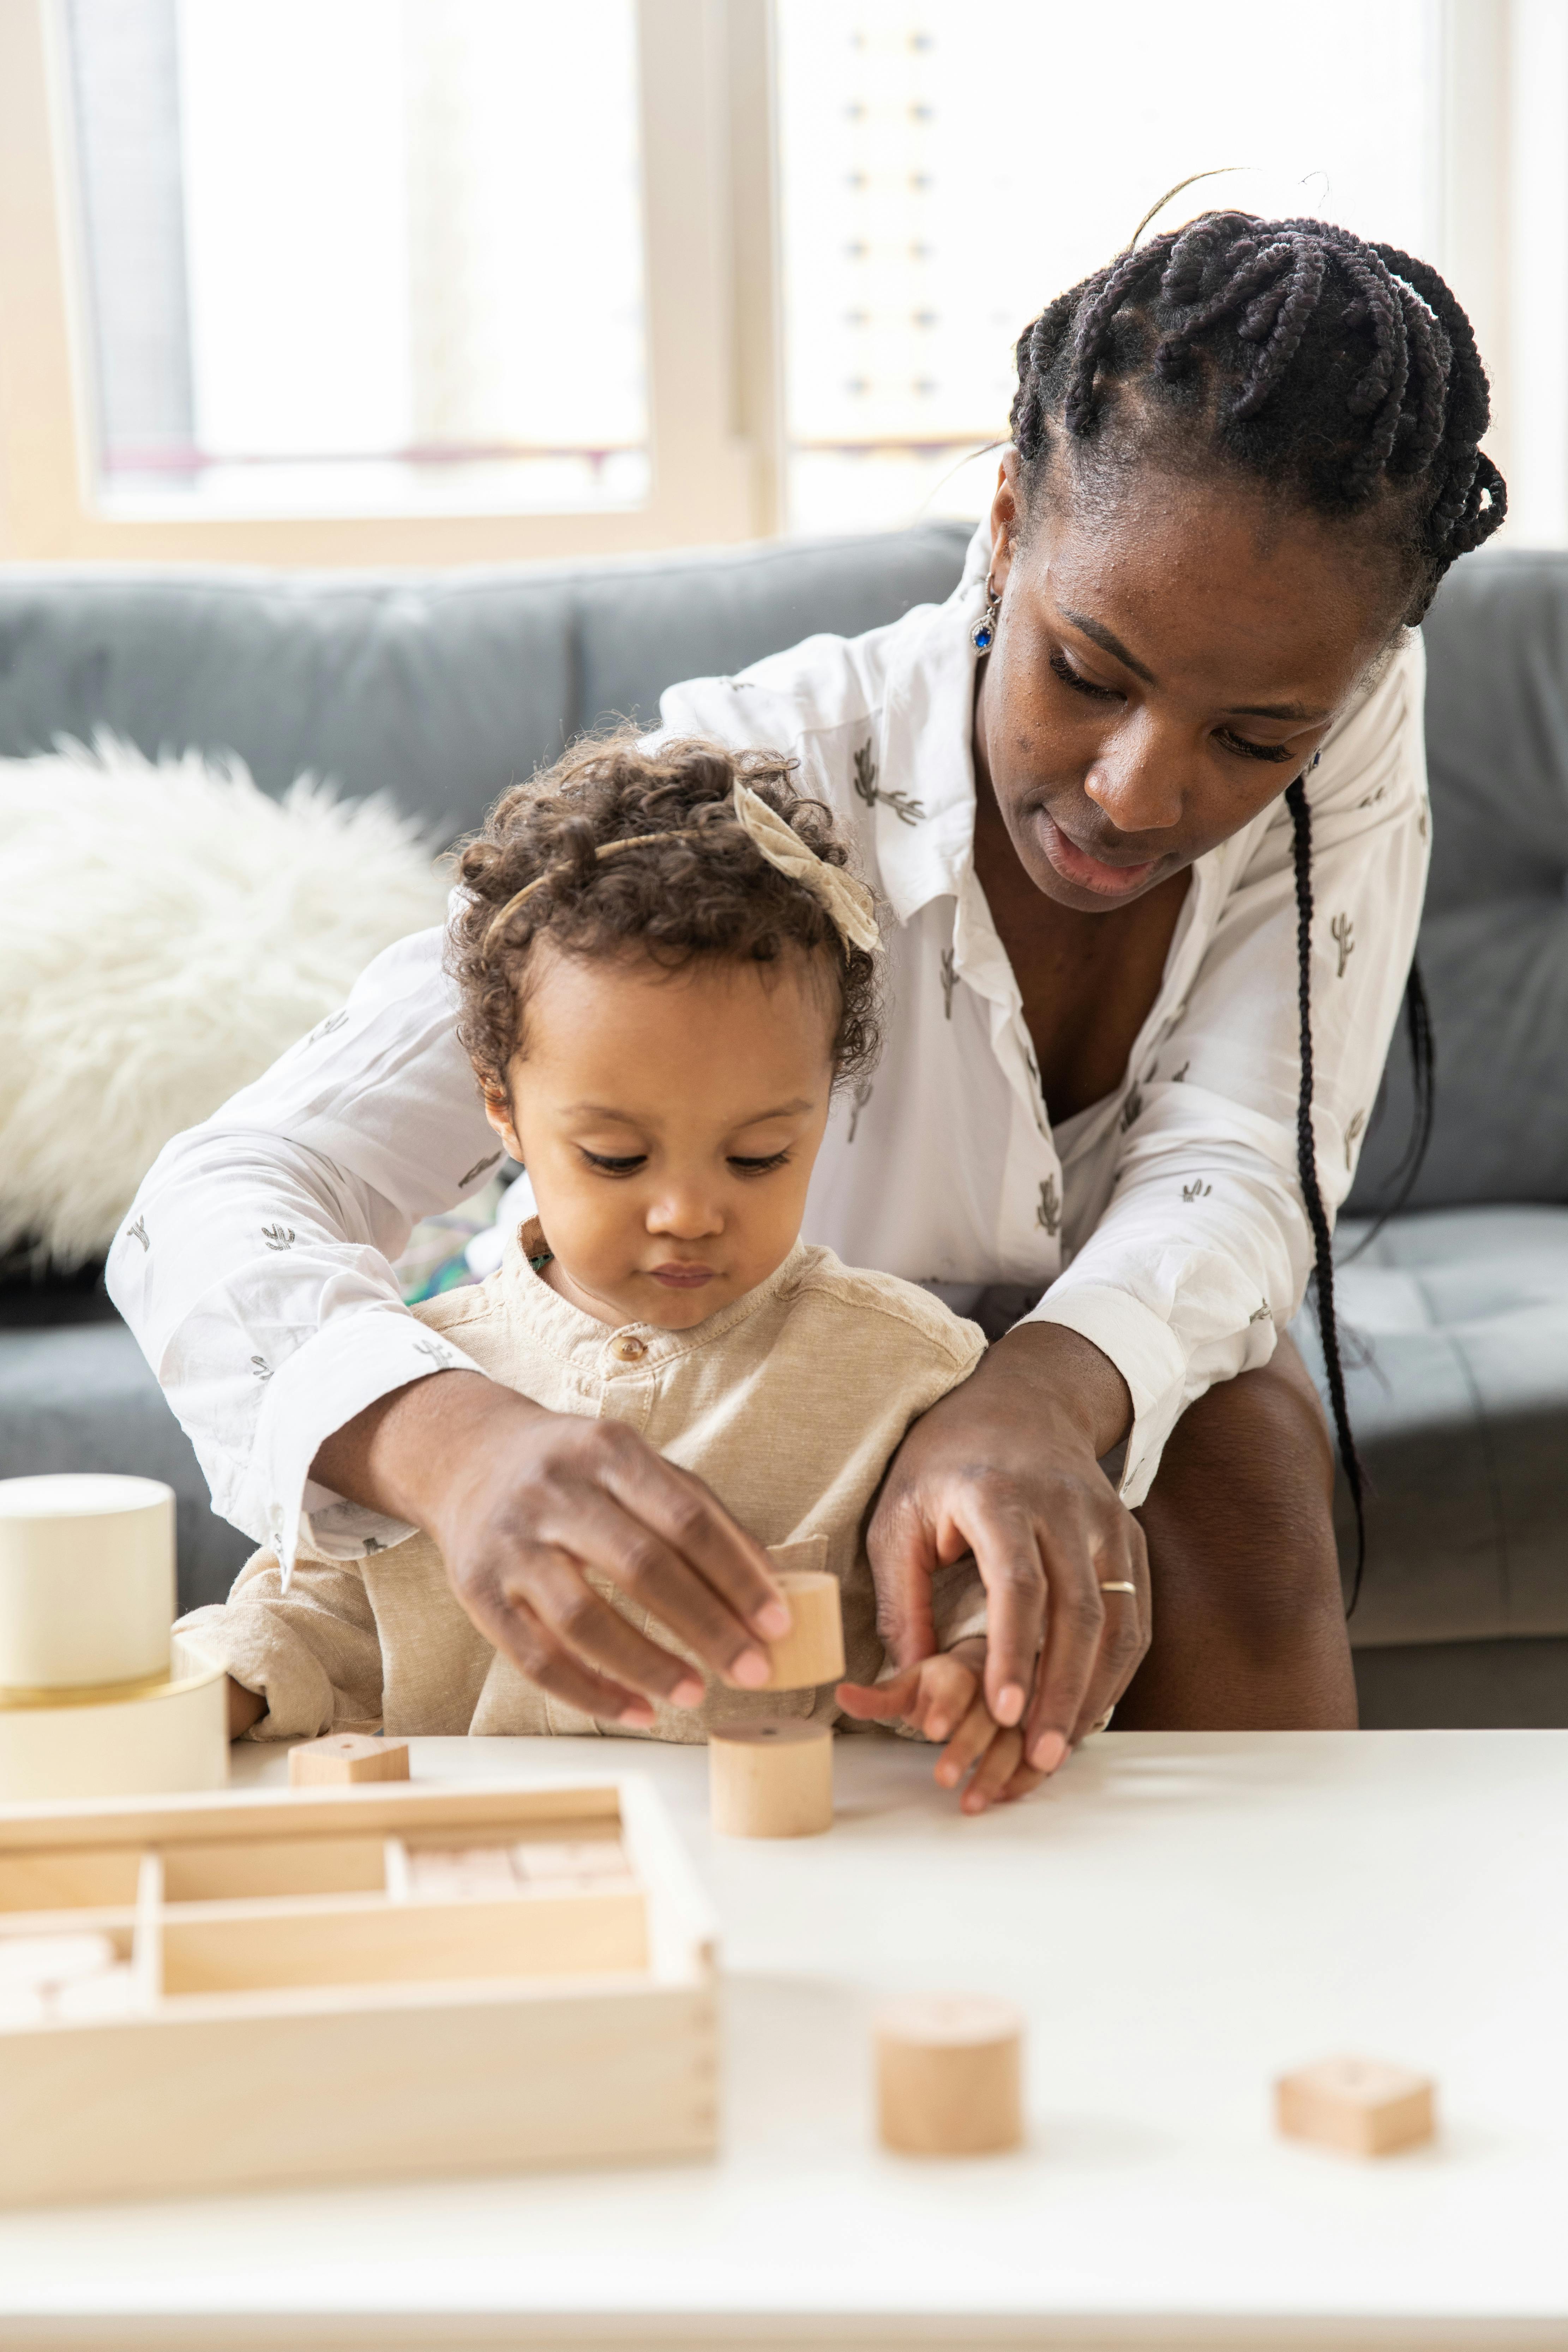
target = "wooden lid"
x: 948, y: 2020
x: 789, y: 1731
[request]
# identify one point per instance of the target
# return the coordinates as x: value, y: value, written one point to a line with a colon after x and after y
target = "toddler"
x: 664, y: 971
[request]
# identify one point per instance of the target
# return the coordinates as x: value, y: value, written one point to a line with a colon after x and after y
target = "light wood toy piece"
x: 98, y: 1697
x: 1360, y: 2106
x: 392, y: 1962
x: 770, y: 1780
x: 948, y: 2074
x: 346, y: 1756
x: 87, y: 1581
x: 812, y: 1652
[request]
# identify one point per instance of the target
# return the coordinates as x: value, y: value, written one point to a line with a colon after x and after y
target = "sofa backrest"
x: 1494, y: 938
x: 441, y: 689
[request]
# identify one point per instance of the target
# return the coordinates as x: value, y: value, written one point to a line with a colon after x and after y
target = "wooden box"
x: 208, y: 1992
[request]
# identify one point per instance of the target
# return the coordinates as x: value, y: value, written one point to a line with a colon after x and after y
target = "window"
x: 427, y: 280
x: 346, y: 257
x: 937, y: 188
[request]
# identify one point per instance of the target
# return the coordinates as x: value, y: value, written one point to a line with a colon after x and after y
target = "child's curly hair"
x: 709, y: 893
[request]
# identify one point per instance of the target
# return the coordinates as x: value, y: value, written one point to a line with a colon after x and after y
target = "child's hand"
x: 943, y: 1699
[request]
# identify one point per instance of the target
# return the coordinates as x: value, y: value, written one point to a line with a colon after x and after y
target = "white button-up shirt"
x: 1165, y: 1224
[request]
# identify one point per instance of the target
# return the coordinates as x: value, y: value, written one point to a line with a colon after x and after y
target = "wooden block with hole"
x: 950, y: 2075
x: 770, y: 1780
x: 346, y: 1757
x: 377, y: 1958
x: 1362, y: 2106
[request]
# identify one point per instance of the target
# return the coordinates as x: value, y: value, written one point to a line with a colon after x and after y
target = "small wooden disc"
x: 812, y: 1652
x: 770, y: 1780
x: 346, y: 1756
x: 950, y: 2075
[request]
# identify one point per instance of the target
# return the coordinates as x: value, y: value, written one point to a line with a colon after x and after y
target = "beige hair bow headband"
x: 848, y: 902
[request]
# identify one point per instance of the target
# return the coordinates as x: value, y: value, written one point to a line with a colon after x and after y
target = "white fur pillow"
x: 165, y: 931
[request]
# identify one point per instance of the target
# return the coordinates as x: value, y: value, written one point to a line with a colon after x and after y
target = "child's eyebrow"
x: 795, y: 1110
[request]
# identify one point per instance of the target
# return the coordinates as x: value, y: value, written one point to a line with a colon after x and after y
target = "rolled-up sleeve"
x: 255, y: 1265
x: 1204, y: 1250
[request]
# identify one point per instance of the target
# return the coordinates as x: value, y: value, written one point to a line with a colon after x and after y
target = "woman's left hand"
x: 1007, y: 1468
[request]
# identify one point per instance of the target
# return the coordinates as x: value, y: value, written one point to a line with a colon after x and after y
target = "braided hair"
x: 1346, y: 376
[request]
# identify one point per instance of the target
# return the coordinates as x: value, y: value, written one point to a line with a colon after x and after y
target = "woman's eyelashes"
x: 1277, y: 753
x: 1061, y: 667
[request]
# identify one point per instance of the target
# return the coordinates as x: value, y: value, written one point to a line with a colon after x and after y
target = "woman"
x: 1147, y: 800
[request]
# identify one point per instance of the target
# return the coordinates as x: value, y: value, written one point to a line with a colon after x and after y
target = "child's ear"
x: 498, y: 1110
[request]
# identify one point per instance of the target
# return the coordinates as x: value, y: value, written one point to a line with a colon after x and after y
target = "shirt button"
x: 628, y: 1348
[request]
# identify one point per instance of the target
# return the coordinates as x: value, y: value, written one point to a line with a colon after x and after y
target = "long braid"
x: 1307, y: 1169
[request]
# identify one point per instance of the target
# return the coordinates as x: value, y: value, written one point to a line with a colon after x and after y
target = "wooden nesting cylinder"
x: 87, y: 1581
x: 812, y: 1652
x: 346, y: 1757
x: 770, y: 1780
x: 950, y: 2075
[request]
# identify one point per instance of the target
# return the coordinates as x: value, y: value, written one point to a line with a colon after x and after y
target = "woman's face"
x: 1165, y: 664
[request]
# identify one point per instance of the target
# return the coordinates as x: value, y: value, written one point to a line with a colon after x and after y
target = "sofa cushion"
x: 80, y: 1397
x: 1494, y: 936
x: 441, y: 689
x: 1454, y: 1328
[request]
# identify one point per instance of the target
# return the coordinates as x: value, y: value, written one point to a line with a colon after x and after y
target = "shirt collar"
x: 928, y: 719
x: 581, y: 1340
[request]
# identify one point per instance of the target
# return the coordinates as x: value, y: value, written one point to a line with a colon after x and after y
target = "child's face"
x: 668, y: 1122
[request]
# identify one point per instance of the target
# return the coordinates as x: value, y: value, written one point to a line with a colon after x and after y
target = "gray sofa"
x: 443, y: 688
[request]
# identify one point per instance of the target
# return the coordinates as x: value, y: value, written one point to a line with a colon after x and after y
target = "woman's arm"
x: 254, y: 1270
x: 1200, y: 1254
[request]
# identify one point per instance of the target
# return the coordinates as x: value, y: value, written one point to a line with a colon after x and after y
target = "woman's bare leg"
x: 1249, y: 1629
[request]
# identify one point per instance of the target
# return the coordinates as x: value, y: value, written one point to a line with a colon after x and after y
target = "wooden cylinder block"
x: 812, y: 1652
x: 948, y: 2074
x: 770, y: 1780
x: 87, y: 1581
x: 128, y: 1739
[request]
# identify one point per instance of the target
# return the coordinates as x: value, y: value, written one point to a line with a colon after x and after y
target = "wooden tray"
x: 394, y: 1979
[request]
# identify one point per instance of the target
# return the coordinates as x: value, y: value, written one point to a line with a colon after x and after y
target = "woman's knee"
x: 1243, y: 1505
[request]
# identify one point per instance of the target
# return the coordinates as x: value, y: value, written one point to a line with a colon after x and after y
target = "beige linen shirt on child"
x: 789, y: 1403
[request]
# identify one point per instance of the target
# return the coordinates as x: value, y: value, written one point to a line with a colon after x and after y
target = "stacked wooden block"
x: 96, y: 1698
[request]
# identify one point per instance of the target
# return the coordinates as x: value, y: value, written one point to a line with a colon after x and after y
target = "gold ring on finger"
x: 1104, y: 1723
x: 1118, y: 1588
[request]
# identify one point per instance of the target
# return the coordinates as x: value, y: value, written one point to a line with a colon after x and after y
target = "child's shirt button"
x: 629, y: 1347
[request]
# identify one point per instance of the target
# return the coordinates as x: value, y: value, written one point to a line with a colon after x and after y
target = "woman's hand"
x: 1007, y: 1468
x: 524, y: 1503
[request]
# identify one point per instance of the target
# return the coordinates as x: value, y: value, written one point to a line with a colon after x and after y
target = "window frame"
x: 708, y: 201
x: 717, y: 426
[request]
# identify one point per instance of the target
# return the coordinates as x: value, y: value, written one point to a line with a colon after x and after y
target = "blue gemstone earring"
x: 983, y: 635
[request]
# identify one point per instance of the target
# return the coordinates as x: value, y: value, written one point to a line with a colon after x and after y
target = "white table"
x: 1182, y: 1917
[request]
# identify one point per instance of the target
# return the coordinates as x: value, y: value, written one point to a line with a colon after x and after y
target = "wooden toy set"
x: 369, y: 1978
x: 212, y: 1991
